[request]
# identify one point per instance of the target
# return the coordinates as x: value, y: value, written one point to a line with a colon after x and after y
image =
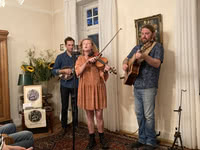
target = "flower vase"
x: 44, y: 87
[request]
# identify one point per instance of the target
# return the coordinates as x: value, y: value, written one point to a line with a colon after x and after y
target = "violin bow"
x: 110, y: 41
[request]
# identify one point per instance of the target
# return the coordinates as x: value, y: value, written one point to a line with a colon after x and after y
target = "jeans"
x: 65, y: 104
x: 22, y: 138
x: 144, y: 109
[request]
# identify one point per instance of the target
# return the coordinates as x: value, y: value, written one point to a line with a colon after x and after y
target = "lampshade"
x: 25, y: 79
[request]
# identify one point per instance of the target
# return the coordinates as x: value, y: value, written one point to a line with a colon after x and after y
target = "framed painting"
x: 155, y: 21
x: 35, y: 118
x: 33, y: 96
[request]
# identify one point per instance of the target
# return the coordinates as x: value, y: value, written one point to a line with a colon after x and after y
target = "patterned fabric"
x: 148, y: 75
x: 92, y: 89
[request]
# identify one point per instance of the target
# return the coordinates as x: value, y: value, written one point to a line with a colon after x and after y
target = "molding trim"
x: 57, y: 11
x: 12, y: 4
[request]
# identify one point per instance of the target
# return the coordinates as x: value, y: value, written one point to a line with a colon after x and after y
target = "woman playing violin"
x: 92, y: 90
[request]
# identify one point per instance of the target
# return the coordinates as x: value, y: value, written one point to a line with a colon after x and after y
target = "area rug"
x: 60, y: 142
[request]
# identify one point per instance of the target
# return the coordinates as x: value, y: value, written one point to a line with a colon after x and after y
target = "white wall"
x: 28, y: 25
x: 58, y: 38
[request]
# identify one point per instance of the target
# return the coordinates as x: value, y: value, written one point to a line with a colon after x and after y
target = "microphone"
x: 76, y: 50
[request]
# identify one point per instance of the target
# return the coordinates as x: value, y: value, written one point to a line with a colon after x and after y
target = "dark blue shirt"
x: 64, y: 60
x: 148, y: 76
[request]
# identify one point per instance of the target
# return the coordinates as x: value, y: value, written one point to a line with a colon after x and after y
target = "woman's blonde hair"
x: 94, y: 47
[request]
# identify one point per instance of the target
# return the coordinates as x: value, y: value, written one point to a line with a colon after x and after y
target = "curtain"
x: 187, y: 77
x: 107, y: 29
x: 70, y: 24
x: 70, y: 17
x: 198, y: 24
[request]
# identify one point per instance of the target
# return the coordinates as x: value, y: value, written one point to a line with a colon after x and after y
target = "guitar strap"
x: 147, y: 51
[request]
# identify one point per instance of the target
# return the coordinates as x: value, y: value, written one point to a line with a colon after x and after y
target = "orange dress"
x: 91, y: 89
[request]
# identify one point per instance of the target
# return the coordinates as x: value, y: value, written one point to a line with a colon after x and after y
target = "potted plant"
x: 40, y: 67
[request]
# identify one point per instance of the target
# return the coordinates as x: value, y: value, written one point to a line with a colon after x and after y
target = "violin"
x: 102, y: 61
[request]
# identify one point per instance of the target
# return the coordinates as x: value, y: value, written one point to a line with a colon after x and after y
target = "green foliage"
x: 39, y: 67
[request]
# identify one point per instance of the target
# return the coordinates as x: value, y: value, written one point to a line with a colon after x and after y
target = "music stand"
x: 75, y: 55
x: 177, y: 134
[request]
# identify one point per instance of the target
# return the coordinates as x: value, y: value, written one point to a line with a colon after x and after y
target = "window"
x: 92, y: 16
x: 88, y: 21
x: 95, y: 39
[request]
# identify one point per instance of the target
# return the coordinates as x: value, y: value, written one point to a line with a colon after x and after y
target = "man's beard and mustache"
x: 145, y: 40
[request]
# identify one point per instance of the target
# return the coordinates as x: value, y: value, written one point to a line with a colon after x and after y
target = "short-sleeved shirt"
x: 64, y: 60
x: 148, y: 75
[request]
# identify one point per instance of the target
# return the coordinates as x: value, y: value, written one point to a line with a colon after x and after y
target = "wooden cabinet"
x: 4, y: 89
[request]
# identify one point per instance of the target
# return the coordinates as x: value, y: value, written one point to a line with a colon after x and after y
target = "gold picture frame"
x: 156, y: 21
x: 33, y: 96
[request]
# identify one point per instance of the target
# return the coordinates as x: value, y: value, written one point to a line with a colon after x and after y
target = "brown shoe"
x: 64, y: 131
x: 136, y: 145
x: 103, y: 142
x: 92, y: 142
x: 149, y: 147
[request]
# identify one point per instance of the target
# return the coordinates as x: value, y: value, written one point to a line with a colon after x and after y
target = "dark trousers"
x: 65, y: 104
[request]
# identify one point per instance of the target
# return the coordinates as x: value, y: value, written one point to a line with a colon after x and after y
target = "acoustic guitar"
x: 134, y: 64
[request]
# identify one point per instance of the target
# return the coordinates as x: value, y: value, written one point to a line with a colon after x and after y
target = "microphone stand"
x: 75, y: 54
x: 178, y: 133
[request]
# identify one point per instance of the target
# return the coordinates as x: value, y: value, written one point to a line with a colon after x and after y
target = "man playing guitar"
x: 145, y: 85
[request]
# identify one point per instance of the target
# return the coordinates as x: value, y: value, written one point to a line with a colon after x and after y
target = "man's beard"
x: 144, y: 41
